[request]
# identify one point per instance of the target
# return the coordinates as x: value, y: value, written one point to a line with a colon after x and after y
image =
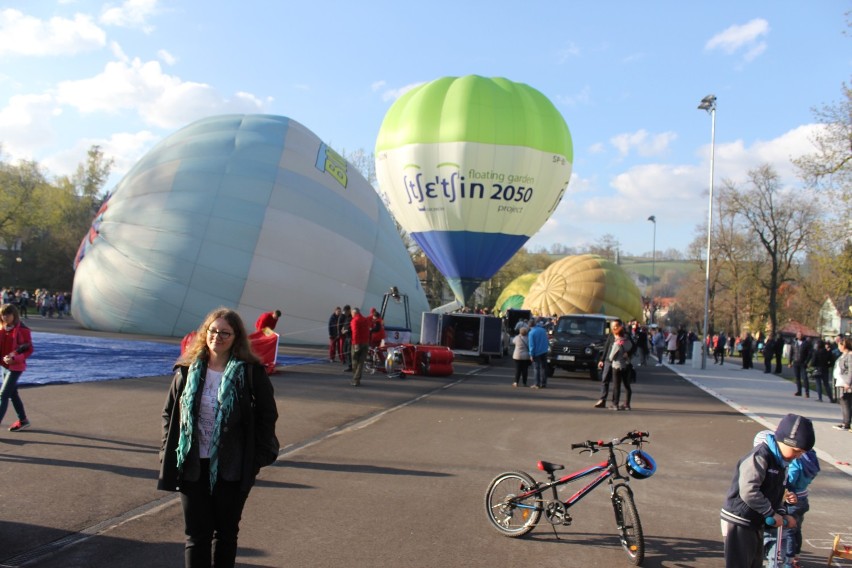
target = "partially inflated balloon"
x: 472, y: 167
x: 253, y: 212
x: 585, y: 284
x: 512, y: 296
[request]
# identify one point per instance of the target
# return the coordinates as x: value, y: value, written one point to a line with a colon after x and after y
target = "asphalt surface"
x: 393, y: 474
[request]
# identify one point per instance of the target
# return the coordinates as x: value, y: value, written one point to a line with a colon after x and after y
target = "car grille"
x: 568, y: 350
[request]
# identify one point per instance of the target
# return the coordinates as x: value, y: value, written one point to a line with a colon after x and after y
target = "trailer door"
x: 492, y: 336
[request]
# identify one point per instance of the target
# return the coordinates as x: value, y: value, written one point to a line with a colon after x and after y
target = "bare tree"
x: 829, y: 171
x: 782, y: 222
x: 735, y: 268
x: 606, y: 246
x: 830, y: 166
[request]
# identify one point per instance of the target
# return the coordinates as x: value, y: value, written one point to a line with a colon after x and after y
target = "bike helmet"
x: 640, y: 465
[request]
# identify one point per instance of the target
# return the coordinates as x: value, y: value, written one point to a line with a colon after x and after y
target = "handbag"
x: 265, y: 450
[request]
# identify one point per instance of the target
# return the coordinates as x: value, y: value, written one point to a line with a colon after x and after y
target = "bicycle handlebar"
x: 636, y: 437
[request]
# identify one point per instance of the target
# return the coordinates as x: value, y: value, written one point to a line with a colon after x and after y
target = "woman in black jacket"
x: 821, y: 361
x: 218, y: 431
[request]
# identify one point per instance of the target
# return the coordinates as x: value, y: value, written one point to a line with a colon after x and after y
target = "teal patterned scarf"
x: 232, y: 378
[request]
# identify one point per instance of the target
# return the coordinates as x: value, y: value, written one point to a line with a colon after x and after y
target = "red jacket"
x: 360, y: 329
x: 266, y: 320
x: 17, y: 341
x: 377, y: 330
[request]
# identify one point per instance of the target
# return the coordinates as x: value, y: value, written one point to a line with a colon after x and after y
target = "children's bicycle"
x: 514, y: 501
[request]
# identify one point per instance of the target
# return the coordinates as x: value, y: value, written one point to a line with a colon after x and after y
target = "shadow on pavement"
x: 358, y: 468
x: 659, y: 551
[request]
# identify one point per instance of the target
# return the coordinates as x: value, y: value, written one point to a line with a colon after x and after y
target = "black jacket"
x: 801, y: 354
x: 247, y: 441
x: 334, y: 325
x: 821, y: 361
x: 603, y: 356
x: 757, y: 489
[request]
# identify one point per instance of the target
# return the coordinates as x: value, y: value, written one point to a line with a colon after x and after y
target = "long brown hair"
x: 11, y: 309
x: 240, y: 348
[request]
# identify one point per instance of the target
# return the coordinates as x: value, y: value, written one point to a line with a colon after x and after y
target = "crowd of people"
x: 350, y: 337
x: 43, y: 302
x: 206, y: 419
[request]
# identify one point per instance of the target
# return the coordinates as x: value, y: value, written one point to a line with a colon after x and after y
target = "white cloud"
x: 25, y: 124
x: 117, y: 52
x: 160, y: 99
x: 735, y: 38
x: 393, y: 94
x: 676, y: 193
x: 644, y: 143
x: 124, y: 148
x: 166, y: 57
x: 26, y: 35
x: 130, y: 14
x: 755, y: 51
x: 734, y: 159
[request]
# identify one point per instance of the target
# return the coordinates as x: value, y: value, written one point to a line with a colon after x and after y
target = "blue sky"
x: 627, y: 77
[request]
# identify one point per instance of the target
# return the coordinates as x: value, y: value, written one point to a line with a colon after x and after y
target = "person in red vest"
x: 360, y: 327
x: 267, y: 319
x: 377, y: 328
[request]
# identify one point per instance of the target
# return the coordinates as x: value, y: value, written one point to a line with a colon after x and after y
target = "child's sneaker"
x: 19, y: 425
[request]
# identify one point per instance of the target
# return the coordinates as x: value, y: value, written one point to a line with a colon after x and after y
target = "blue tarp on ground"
x: 62, y: 358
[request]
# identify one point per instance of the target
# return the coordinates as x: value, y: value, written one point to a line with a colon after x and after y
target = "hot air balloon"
x: 585, y: 284
x: 472, y: 167
x: 513, y: 295
x: 253, y: 212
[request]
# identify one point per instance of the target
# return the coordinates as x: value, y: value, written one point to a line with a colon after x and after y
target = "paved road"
x: 389, y: 475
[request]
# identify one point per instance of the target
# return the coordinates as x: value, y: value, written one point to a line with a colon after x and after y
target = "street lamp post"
x: 708, y: 104
x: 653, y: 219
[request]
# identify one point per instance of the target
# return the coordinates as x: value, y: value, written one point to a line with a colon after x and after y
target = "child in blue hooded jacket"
x: 800, y: 474
x: 758, y: 491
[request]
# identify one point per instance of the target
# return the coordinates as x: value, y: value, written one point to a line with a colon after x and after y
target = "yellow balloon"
x: 514, y: 290
x: 585, y: 284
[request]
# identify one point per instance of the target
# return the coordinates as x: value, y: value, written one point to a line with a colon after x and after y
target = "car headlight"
x: 589, y: 350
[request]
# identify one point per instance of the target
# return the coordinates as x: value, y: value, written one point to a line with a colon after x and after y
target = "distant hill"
x: 642, y: 266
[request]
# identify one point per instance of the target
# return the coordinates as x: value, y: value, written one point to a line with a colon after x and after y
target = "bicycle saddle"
x: 549, y: 467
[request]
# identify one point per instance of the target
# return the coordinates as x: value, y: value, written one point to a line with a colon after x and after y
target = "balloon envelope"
x: 253, y: 212
x: 472, y: 167
x: 585, y: 284
x: 512, y: 296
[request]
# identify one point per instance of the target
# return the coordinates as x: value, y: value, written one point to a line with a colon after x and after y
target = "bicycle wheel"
x: 629, y: 526
x: 509, y: 515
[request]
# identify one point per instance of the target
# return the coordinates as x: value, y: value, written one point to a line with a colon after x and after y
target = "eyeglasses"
x: 222, y: 334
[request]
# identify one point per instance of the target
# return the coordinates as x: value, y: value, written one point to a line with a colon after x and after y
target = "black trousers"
x: 521, y: 370
x: 743, y: 547
x: 211, y: 522
x: 622, y: 378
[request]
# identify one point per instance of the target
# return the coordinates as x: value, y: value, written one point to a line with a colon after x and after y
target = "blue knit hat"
x: 796, y: 431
